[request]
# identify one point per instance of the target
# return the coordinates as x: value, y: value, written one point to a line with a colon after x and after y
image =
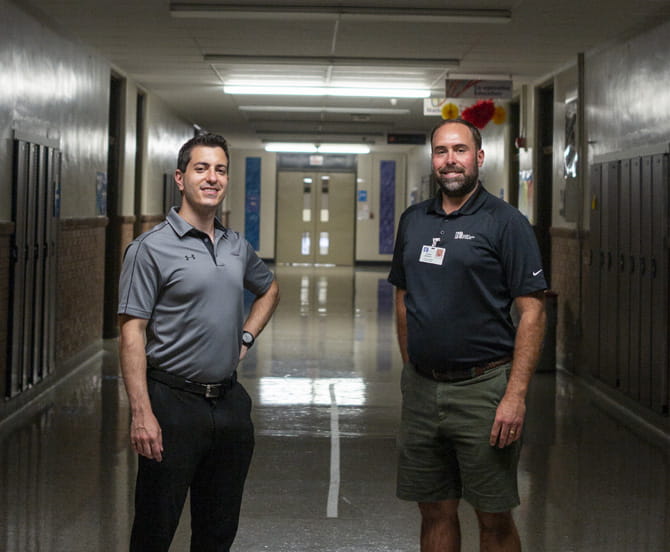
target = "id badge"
x: 432, y: 255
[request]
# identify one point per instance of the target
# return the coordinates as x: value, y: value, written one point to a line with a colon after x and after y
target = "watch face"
x: 247, y: 339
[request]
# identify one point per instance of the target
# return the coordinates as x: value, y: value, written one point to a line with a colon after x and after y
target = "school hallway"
x: 325, y: 377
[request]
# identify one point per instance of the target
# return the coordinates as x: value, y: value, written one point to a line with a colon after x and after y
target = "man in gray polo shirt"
x: 183, y: 332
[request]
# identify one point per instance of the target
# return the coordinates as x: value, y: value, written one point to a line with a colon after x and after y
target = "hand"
x: 508, y: 423
x: 146, y: 437
x: 243, y: 351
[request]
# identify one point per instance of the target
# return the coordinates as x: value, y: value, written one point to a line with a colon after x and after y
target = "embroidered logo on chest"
x: 463, y: 236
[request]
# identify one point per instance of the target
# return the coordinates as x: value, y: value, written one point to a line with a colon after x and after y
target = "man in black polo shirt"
x: 460, y: 261
x: 183, y: 332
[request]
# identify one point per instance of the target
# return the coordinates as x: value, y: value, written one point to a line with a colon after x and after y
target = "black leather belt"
x: 461, y: 373
x: 207, y: 390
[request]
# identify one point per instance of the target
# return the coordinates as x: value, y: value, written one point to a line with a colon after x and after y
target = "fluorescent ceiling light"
x: 343, y: 13
x: 340, y: 110
x: 338, y: 61
x: 297, y: 147
x: 343, y: 148
x: 327, y: 91
x: 290, y: 147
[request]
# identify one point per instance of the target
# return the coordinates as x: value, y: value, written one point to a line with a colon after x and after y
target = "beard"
x: 459, y: 186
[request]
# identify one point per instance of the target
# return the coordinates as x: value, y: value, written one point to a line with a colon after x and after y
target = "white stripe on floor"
x: 334, y: 488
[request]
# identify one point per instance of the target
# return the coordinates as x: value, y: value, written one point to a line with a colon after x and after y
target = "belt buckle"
x: 211, y: 391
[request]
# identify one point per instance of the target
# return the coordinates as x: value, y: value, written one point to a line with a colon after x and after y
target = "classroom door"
x: 315, y: 218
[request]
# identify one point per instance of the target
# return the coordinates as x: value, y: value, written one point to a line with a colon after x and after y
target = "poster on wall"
x: 568, y: 190
x: 526, y: 193
x: 101, y: 193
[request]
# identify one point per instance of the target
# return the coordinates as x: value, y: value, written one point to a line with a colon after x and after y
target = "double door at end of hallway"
x: 315, y: 217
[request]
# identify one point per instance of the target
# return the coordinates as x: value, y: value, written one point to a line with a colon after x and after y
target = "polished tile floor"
x: 325, y: 380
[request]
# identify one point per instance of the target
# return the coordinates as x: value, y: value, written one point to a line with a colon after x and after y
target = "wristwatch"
x: 248, y: 339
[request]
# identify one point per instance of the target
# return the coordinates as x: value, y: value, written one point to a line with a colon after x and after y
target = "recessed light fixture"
x: 305, y: 147
x: 362, y: 92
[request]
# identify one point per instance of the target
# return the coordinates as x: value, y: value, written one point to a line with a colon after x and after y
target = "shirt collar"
x: 181, y: 227
x: 474, y: 202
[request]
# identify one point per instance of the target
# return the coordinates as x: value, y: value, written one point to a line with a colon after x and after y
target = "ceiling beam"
x: 341, y: 13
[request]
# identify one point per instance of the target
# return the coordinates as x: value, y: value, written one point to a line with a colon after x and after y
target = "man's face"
x: 456, y: 159
x: 205, y: 180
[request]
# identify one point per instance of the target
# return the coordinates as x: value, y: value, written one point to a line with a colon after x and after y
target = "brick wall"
x: 81, y: 279
x: 569, y: 277
x: 149, y: 221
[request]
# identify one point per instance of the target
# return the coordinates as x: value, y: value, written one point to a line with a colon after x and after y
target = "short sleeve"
x: 522, y: 261
x: 397, y: 274
x: 139, y: 282
x: 257, y: 276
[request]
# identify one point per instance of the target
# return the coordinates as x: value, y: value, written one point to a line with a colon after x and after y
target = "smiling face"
x: 456, y: 159
x: 204, y: 182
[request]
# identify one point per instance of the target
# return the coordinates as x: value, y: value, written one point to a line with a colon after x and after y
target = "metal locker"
x: 635, y: 277
x: 595, y: 266
x: 32, y: 269
x: 609, y: 274
x: 646, y: 296
x: 624, y: 280
x: 658, y: 274
x: 18, y: 270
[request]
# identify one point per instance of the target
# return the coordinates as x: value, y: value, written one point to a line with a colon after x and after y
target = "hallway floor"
x: 324, y: 377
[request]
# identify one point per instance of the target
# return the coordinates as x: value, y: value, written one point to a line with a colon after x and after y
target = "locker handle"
x: 602, y: 259
x: 653, y: 268
x: 632, y: 264
x: 622, y: 262
x: 609, y: 260
x: 643, y: 266
x: 14, y: 253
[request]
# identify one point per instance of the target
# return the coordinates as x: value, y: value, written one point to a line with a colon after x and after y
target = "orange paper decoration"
x: 499, y: 115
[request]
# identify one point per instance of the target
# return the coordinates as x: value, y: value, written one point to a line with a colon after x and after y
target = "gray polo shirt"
x: 192, y: 293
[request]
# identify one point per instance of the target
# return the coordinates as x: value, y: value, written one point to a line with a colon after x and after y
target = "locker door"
x: 659, y: 284
x: 635, y: 275
x: 610, y: 275
x: 595, y: 266
x: 646, y: 297
x: 623, y: 268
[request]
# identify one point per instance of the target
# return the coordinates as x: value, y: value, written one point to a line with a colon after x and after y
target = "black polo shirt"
x: 458, y: 312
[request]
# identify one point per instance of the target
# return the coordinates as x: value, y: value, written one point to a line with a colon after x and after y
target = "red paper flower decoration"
x: 480, y: 113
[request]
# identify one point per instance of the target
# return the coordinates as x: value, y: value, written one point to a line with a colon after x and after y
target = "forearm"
x: 262, y: 309
x: 134, y: 367
x: 528, y: 344
x: 401, y: 323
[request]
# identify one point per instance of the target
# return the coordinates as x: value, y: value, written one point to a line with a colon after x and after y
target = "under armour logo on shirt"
x: 189, y: 258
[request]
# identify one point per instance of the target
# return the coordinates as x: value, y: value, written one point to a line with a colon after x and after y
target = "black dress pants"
x: 207, y: 448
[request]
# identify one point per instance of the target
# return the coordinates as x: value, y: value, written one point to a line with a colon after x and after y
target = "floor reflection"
x: 324, y: 378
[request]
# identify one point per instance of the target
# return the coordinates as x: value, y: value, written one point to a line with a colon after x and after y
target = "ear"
x: 480, y: 157
x: 179, y: 179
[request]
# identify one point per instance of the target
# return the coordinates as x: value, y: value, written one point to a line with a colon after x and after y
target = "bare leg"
x: 497, y: 533
x: 440, y: 527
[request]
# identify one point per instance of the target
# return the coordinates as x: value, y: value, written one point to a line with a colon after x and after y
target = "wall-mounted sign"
x: 411, y: 139
x: 479, y: 89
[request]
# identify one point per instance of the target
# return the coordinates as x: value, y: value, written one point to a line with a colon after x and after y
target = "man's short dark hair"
x: 204, y: 139
x: 476, y: 135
